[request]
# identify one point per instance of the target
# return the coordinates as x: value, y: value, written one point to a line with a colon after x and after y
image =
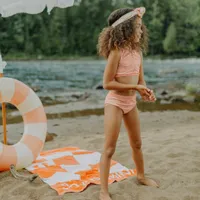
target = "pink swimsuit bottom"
x: 125, y: 103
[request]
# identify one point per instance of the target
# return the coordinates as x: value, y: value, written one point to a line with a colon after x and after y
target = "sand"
x: 171, y: 147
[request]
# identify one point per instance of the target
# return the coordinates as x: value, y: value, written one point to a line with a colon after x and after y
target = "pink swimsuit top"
x: 129, y: 64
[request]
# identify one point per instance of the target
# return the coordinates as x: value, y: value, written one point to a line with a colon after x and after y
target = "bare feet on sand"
x: 104, y: 196
x: 148, y: 182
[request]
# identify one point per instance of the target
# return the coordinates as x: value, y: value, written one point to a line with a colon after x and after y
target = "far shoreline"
x: 36, y: 58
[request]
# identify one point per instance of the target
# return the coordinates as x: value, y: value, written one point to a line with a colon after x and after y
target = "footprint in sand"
x: 175, y: 155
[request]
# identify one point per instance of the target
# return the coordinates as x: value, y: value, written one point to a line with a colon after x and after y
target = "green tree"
x: 186, y: 16
x: 169, y: 43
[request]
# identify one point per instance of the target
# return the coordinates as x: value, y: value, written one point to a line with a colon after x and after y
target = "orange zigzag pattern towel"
x: 71, y: 169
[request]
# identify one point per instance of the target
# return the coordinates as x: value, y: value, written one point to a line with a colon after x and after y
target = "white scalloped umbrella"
x: 11, y: 7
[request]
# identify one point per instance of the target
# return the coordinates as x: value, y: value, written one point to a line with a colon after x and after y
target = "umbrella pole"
x: 4, y: 119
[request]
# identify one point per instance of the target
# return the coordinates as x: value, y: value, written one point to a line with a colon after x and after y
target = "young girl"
x: 122, y: 43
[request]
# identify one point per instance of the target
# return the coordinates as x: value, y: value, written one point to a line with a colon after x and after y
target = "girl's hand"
x: 144, y: 91
x: 151, y: 98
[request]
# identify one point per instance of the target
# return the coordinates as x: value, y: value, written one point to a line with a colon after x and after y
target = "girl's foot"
x: 148, y: 182
x: 104, y: 196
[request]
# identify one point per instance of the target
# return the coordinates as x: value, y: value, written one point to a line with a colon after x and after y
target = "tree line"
x: 174, y: 28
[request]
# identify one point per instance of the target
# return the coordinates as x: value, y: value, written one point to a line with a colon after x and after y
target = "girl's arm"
x: 142, y: 82
x: 141, y: 76
x: 110, y: 70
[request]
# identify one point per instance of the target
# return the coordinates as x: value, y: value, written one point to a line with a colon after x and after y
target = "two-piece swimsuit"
x: 129, y: 65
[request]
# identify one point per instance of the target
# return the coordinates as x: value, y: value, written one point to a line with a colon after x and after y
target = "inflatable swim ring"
x: 23, y: 153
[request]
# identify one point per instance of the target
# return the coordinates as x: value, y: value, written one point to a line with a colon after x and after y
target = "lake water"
x: 52, y: 76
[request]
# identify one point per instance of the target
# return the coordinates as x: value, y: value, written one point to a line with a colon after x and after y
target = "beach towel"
x: 71, y: 169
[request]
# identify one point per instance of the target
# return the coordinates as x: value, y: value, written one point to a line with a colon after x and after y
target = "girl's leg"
x: 112, y: 123
x: 132, y: 123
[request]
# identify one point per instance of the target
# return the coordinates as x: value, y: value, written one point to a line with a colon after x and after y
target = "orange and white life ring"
x: 28, y: 103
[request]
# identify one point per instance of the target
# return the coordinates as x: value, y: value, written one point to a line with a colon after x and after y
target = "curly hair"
x: 121, y: 36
